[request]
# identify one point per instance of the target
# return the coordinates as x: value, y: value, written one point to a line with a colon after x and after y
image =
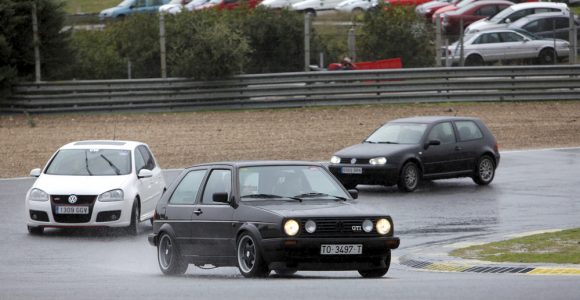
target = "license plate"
x: 341, y: 249
x: 351, y: 170
x: 72, y: 210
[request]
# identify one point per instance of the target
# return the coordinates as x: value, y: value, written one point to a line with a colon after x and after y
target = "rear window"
x: 468, y: 130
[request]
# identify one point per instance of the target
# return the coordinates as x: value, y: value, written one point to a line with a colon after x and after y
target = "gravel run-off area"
x: 182, y: 139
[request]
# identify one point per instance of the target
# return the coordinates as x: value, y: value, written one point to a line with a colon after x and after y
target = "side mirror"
x: 35, y: 172
x: 144, y: 173
x: 353, y: 193
x: 432, y: 143
x: 220, y: 198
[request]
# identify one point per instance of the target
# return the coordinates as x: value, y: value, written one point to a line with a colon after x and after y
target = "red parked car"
x: 471, y: 13
x: 405, y: 2
x: 230, y: 4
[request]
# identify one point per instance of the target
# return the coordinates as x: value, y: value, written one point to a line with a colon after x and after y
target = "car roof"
x: 102, y: 144
x: 256, y: 163
x: 431, y: 119
x: 534, y: 17
x: 527, y: 5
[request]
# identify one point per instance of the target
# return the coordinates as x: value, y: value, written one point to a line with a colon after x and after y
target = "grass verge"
x: 562, y: 247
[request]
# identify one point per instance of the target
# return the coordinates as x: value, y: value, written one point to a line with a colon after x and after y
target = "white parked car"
x: 514, y: 13
x: 312, y: 6
x: 173, y: 7
x: 507, y: 44
x: 278, y: 3
x: 95, y: 184
x: 355, y: 5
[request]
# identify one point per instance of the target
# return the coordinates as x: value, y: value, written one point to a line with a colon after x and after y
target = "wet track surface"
x: 535, y: 190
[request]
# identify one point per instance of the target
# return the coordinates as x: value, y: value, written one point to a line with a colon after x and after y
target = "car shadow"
x: 464, y: 185
x: 95, y: 232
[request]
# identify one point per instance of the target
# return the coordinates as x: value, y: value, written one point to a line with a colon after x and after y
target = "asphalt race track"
x: 532, y: 191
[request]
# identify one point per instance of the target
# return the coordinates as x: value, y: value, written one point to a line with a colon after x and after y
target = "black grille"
x: 62, y: 200
x: 337, y: 227
x: 359, y: 161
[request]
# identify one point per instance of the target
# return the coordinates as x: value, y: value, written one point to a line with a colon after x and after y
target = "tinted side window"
x: 139, y: 161
x: 532, y: 26
x: 488, y: 10
x: 508, y: 37
x: 468, y: 130
x: 519, y: 14
x: 488, y: 38
x: 442, y: 132
x: 562, y: 23
x: 147, y: 157
x: 220, y: 181
x: 186, y: 191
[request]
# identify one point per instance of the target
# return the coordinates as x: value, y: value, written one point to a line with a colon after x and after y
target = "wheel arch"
x: 252, y: 229
x: 412, y: 159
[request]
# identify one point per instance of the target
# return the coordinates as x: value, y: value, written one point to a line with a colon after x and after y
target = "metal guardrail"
x: 520, y: 83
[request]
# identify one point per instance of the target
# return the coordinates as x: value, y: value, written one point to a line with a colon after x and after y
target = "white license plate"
x: 72, y: 210
x: 351, y: 170
x: 341, y: 249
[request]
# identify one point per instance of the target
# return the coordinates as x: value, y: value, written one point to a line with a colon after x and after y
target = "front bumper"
x: 101, y: 214
x: 304, y: 253
x: 371, y: 174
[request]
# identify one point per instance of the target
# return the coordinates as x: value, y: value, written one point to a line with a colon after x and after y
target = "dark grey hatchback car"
x: 404, y: 151
x: 263, y: 216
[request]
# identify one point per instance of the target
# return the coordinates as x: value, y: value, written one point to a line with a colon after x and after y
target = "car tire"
x: 484, y: 171
x: 249, y: 255
x: 171, y: 262
x: 546, y: 57
x: 285, y: 272
x: 133, y: 228
x: 35, y: 230
x: 409, y: 177
x: 474, y: 60
x: 376, y: 273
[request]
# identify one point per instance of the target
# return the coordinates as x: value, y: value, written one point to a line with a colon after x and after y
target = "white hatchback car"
x: 95, y: 184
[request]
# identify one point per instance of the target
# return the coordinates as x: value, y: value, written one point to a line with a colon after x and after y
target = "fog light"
x: 34, y: 216
x: 310, y: 226
x: 367, y: 225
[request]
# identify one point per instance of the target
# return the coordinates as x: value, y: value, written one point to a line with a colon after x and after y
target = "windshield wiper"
x: 117, y: 171
x: 313, y: 195
x: 87, y: 164
x: 270, y: 196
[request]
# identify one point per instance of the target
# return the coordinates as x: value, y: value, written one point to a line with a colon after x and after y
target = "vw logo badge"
x: 72, y: 199
x: 353, y: 161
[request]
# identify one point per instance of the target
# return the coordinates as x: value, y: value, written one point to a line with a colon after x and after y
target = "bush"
x: 396, y: 32
x: 202, y: 45
x: 97, y: 56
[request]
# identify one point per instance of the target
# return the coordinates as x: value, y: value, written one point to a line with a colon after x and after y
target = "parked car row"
x: 260, y: 216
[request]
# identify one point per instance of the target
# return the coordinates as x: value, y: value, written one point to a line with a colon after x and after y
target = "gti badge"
x: 353, y: 161
x: 356, y: 228
x: 72, y: 199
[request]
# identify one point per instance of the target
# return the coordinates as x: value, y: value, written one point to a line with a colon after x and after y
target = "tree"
x: 396, y: 32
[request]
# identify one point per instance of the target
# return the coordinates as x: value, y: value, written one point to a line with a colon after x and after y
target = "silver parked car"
x: 514, y: 13
x: 547, y: 25
x: 505, y: 45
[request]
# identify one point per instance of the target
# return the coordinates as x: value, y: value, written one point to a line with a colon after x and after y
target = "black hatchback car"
x: 264, y: 216
x: 404, y: 151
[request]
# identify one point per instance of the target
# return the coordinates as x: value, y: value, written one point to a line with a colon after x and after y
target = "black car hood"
x: 317, y: 208
x: 369, y: 150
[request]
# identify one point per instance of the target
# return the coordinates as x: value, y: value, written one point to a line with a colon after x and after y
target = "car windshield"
x: 126, y: 3
x: 502, y: 15
x: 288, y: 183
x: 398, y: 133
x: 90, y: 162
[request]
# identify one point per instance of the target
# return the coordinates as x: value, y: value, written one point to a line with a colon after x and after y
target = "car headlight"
x: 310, y: 226
x: 383, y: 226
x: 378, y: 161
x: 335, y: 160
x: 38, y: 195
x: 114, y: 195
x: 367, y: 225
x: 291, y: 227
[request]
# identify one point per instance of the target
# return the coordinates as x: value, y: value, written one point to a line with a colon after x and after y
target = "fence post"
x: 36, y: 43
x: 437, y: 41
x: 307, y: 24
x: 352, y: 44
x: 461, y: 54
x: 162, y: 49
x: 573, y: 38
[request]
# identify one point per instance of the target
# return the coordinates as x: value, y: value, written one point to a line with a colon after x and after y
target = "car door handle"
x: 198, y: 212
x: 458, y: 148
